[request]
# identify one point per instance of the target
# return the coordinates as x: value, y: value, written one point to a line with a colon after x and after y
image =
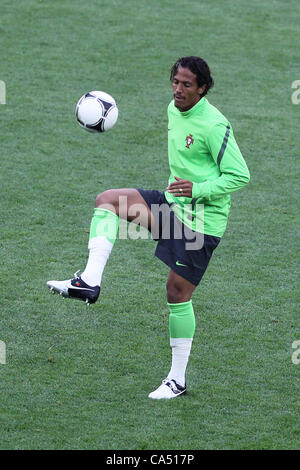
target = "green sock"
x: 103, y: 234
x: 182, y: 329
x: 105, y: 223
x: 182, y: 320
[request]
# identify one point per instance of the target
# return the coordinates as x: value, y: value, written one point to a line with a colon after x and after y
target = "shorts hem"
x: 184, y: 271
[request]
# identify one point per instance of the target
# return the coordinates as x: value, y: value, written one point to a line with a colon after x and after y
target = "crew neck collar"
x: 196, y: 108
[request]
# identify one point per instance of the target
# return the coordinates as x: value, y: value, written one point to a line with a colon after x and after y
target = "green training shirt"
x: 202, y: 149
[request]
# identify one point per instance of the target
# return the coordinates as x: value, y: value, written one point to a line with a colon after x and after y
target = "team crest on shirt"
x: 189, y: 141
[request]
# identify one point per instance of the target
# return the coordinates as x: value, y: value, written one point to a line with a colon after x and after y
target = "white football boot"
x: 168, y: 389
x: 75, y: 288
x: 60, y: 287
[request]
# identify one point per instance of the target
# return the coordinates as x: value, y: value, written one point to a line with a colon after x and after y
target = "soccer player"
x: 188, y: 219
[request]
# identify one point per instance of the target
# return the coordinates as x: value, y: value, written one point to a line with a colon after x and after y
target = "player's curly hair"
x: 199, y: 67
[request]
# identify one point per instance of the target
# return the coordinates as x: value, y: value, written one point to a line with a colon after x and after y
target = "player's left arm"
x: 234, y: 173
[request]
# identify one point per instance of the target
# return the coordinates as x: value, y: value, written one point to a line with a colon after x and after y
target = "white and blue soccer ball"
x: 97, y: 111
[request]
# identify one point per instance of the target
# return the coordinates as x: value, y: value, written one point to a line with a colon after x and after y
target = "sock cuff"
x: 99, y: 211
x: 182, y: 308
x: 181, y: 303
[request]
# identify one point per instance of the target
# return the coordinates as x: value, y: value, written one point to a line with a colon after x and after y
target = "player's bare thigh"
x: 127, y: 203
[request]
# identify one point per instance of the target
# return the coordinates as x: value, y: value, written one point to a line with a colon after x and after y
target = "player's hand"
x: 180, y: 187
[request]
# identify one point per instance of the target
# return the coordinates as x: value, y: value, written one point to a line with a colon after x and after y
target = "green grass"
x: 78, y: 378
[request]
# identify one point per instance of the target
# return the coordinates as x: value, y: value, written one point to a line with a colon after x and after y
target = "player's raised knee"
x: 107, y: 200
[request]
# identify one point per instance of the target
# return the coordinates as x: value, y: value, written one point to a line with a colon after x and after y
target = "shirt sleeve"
x: 234, y: 173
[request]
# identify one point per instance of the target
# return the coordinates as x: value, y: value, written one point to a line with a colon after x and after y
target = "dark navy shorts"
x: 186, y: 252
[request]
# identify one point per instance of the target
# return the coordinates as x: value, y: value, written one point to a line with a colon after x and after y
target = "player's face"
x: 186, y: 90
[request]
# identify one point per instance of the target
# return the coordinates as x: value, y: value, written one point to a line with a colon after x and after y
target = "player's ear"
x: 201, y: 90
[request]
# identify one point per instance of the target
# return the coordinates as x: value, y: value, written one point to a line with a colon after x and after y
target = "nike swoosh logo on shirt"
x: 180, y: 264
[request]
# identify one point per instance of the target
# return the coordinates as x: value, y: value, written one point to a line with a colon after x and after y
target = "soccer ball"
x: 97, y: 111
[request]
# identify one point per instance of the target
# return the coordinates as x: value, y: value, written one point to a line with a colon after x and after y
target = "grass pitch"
x: 78, y: 378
